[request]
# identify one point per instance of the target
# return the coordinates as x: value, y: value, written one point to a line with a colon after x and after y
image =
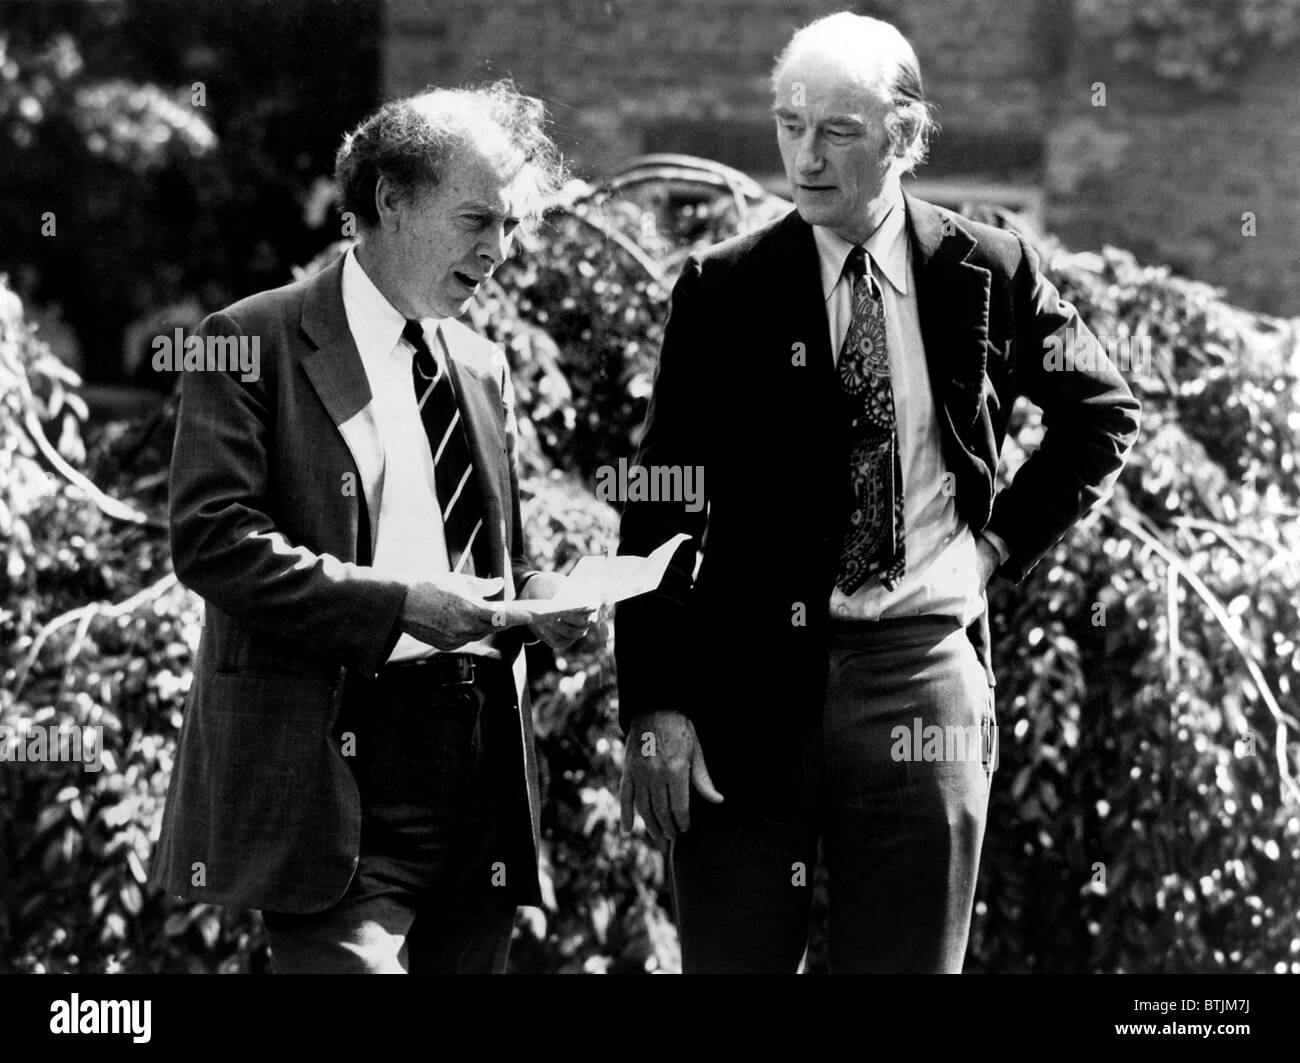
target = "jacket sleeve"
x: 226, y: 546
x: 1090, y: 421
x: 653, y: 632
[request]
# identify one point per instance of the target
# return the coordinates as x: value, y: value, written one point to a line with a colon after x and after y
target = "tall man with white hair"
x: 845, y: 375
x: 356, y: 758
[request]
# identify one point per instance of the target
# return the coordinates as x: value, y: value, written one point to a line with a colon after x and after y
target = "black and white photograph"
x: 652, y: 487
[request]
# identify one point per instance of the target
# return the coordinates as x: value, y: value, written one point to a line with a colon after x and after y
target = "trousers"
x: 895, y: 777
x: 421, y: 899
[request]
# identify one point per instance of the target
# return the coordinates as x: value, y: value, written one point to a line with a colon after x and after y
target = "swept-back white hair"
x: 866, y: 45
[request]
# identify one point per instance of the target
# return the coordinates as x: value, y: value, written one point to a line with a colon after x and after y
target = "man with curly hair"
x: 356, y: 758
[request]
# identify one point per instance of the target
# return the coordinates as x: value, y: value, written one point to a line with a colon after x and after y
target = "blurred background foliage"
x: 1143, y: 816
x: 1199, y: 42
x: 158, y: 228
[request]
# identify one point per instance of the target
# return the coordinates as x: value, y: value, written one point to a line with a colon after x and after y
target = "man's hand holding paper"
x: 564, y: 607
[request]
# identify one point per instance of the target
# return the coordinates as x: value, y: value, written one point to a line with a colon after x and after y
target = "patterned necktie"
x: 873, y: 542
x: 454, y: 480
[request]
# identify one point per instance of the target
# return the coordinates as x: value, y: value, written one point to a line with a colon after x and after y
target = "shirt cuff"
x: 530, y: 637
x: 998, y: 544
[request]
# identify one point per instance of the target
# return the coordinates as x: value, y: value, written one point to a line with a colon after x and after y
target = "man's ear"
x: 388, y: 204
x: 903, y: 129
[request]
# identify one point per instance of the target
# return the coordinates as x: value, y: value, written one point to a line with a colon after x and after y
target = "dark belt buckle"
x: 462, y: 674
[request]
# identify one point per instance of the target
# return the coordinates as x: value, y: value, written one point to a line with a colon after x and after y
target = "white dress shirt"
x: 410, y: 542
x: 942, y: 574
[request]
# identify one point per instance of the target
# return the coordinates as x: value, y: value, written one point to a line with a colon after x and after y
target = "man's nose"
x: 808, y: 158
x: 495, y: 247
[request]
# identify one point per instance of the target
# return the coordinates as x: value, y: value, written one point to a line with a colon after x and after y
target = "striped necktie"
x: 873, y: 542
x: 455, y: 482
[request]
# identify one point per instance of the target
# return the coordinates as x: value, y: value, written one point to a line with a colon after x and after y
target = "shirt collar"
x: 887, y: 247
x: 376, y: 324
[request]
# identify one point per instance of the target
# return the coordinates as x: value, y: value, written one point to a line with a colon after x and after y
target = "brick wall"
x: 1168, y: 174
x: 1160, y: 170
x: 624, y: 76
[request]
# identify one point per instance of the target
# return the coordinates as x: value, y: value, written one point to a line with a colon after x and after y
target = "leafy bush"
x: 1144, y: 817
x: 1128, y: 830
x: 132, y: 98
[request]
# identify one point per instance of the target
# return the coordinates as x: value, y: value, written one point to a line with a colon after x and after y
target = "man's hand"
x: 662, y: 759
x: 564, y: 629
x: 451, y: 610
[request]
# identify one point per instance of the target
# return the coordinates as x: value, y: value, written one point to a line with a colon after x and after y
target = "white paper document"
x: 597, y: 581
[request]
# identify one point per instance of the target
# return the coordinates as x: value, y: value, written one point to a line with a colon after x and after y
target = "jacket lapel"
x: 953, y: 302
x: 811, y: 394
x: 808, y: 300
x: 488, y: 446
x: 335, y: 371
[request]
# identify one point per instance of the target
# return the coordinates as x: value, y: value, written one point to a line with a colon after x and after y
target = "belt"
x: 442, y: 669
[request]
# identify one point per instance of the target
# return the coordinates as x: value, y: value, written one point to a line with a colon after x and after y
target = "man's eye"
x: 793, y: 128
x: 841, y: 134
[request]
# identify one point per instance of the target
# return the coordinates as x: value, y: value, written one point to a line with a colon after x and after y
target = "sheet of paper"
x: 597, y: 581
x: 525, y: 611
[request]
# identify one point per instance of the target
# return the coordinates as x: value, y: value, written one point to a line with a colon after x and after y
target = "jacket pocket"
x: 269, y: 722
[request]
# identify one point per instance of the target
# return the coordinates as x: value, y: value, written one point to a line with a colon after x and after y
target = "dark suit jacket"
x: 274, y: 486
x: 720, y: 644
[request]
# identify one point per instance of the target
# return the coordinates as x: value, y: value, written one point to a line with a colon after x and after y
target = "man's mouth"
x: 468, y: 280
x: 817, y: 188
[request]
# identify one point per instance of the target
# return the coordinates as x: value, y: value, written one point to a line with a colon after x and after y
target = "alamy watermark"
x: 1082, y: 351
x: 210, y: 354
x: 77, y: 1016
x: 53, y: 743
x: 929, y: 743
x: 651, y: 483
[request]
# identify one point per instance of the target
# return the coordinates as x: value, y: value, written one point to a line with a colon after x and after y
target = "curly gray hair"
x: 408, y: 141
